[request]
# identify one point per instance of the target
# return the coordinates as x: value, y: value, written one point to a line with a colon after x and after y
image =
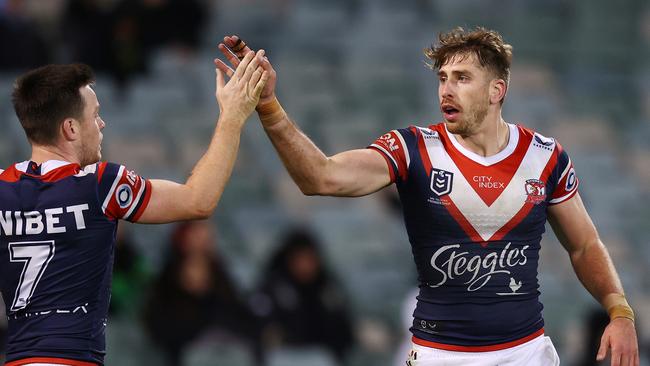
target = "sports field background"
x: 348, y: 71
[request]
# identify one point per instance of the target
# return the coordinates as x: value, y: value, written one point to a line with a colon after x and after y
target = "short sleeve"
x: 564, y: 178
x: 122, y: 192
x: 394, y: 147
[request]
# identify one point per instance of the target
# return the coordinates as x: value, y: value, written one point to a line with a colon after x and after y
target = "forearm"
x: 211, y: 173
x: 596, y: 271
x: 304, y: 161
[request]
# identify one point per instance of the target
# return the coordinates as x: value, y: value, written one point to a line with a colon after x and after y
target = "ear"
x: 498, y: 90
x: 70, y: 130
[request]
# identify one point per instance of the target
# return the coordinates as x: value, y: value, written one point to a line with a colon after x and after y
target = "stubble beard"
x: 471, y: 122
x: 90, y: 155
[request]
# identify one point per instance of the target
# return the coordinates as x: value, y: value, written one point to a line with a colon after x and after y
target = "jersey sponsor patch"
x: 124, y: 195
x: 123, y: 192
x: 566, y: 180
x: 571, y: 180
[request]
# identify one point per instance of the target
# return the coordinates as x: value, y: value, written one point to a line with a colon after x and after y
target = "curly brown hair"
x: 488, y: 46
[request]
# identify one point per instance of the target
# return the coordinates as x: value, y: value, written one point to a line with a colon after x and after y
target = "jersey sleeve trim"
x: 406, y: 149
x: 392, y: 145
x: 142, y: 200
x: 555, y: 201
x: 389, y: 161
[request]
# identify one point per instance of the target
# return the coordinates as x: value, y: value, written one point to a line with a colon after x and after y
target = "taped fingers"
x: 239, y: 45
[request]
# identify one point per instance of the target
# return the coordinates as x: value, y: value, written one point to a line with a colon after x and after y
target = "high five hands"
x: 239, y: 96
x: 235, y: 50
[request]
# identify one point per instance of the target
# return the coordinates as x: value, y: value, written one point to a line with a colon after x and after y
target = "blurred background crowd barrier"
x: 349, y: 70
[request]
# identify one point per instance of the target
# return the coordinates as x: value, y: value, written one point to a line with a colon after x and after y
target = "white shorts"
x: 536, y: 352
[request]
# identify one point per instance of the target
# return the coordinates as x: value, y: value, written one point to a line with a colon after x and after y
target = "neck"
x: 41, y: 154
x: 489, y: 138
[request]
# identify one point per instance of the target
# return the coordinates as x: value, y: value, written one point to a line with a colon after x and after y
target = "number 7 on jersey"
x: 35, y: 255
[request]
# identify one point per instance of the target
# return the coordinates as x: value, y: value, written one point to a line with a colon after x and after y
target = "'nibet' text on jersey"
x: 57, y: 238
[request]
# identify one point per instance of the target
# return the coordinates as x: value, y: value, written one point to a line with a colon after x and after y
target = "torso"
x: 475, y: 226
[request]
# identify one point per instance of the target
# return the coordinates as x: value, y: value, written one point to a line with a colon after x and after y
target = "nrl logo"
x: 441, y: 181
x: 536, y: 191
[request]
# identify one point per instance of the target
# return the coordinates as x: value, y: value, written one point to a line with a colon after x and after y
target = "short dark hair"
x: 488, y: 46
x: 46, y: 96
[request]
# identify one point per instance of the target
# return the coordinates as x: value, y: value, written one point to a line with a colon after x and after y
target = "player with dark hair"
x: 59, y: 210
x: 476, y: 193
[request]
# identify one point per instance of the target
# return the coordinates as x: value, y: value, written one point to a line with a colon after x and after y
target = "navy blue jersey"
x: 57, y: 239
x: 475, y: 225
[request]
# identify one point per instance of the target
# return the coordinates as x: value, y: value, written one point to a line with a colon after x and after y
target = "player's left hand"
x: 234, y: 49
x: 620, y: 337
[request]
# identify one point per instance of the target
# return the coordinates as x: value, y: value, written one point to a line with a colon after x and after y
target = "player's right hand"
x: 234, y: 49
x: 238, y: 97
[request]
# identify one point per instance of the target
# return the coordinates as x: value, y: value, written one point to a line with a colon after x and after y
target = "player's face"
x: 463, y: 93
x: 91, y: 128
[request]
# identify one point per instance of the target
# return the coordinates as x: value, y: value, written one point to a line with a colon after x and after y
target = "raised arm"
x: 593, y: 266
x: 350, y: 173
x: 199, y: 195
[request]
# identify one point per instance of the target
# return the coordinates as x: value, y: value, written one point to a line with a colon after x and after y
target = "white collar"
x: 493, y: 159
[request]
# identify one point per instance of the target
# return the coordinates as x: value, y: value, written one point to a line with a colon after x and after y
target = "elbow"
x: 202, y: 210
x: 322, y: 187
x: 201, y: 214
x: 310, y: 191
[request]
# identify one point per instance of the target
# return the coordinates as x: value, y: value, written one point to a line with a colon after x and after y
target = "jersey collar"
x: 487, y: 160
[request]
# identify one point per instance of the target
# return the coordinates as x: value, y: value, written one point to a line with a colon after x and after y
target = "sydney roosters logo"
x: 452, y: 264
x: 536, y: 191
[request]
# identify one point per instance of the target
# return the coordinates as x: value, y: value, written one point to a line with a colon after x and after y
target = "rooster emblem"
x: 514, y: 285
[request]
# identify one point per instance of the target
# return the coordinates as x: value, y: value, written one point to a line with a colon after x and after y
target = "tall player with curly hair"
x: 476, y: 193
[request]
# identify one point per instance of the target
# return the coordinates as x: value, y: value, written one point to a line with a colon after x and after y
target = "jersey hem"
x: 492, y: 347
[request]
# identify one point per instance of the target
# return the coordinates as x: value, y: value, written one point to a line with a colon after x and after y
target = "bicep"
x: 169, y: 202
x: 572, y: 224
x: 357, y: 173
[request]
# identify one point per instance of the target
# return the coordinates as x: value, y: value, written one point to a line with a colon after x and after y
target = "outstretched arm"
x: 593, y: 266
x: 351, y: 173
x: 198, y: 197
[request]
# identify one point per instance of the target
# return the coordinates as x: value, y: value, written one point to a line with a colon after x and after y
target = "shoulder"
x: 538, y: 140
x: 413, y: 131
